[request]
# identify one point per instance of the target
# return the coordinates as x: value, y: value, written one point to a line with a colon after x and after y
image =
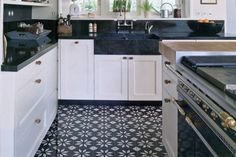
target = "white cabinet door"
x: 76, y: 69
x: 169, y: 125
x: 145, y: 78
x: 52, y: 82
x: 110, y: 77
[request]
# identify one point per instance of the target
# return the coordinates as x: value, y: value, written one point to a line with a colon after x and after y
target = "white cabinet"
x: 20, y: 2
x: 145, y: 78
x: 31, y: 98
x: 169, y: 111
x: 111, y: 77
x: 76, y: 63
x: 120, y: 77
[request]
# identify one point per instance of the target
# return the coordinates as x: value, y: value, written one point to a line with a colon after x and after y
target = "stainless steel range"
x: 207, y: 104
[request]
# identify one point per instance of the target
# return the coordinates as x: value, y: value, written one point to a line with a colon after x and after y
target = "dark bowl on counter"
x: 205, y: 28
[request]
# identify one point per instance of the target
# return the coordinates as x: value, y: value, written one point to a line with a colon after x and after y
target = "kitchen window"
x: 87, y: 5
x: 157, y: 4
x: 133, y: 6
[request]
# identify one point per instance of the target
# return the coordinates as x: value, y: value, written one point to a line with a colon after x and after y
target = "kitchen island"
x: 179, y: 82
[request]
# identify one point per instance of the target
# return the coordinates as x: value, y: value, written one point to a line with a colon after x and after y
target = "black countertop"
x: 138, y: 43
x: 20, y: 53
x: 160, y: 36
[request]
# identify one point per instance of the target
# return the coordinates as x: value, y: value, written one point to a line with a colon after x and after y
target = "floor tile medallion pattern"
x: 105, y: 131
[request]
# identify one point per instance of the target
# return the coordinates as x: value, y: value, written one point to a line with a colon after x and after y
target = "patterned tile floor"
x: 104, y: 131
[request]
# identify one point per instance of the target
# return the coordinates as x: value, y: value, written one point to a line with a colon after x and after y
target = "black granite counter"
x: 155, y: 35
x: 139, y: 43
x: 20, y: 53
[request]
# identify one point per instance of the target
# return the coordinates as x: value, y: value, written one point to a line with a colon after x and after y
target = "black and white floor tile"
x: 105, y: 131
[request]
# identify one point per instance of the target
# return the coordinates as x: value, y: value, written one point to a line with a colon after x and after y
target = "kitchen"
x: 113, y: 82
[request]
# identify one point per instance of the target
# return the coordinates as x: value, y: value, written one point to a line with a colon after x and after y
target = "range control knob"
x: 191, y: 94
x: 205, y: 107
x: 197, y: 100
x: 214, y: 115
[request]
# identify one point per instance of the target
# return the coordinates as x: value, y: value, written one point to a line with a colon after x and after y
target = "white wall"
x: 1, y: 30
x: 231, y: 17
x: 46, y: 12
x: 211, y: 11
x: 1, y: 57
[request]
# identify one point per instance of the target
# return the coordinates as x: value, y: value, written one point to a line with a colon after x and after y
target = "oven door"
x: 195, y: 138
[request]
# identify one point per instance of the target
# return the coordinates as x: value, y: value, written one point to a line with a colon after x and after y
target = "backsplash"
x: 163, y: 26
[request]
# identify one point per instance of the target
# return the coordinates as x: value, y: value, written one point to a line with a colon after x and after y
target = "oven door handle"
x: 227, y: 120
x: 177, y: 103
x: 190, y: 123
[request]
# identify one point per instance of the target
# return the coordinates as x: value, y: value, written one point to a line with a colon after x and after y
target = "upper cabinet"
x: 44, y: 10
x: 20, y: 2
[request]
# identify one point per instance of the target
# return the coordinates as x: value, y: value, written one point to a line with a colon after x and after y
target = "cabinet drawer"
x: 28, y: 97
x: 29, y: 131
x: 169, y: 84
x: 27, y: 73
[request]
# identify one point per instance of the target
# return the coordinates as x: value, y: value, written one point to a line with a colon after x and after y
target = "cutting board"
x: 222, y: 77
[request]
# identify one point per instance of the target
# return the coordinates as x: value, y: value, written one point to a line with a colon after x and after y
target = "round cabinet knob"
x: 37, y: 121
x: 38, y: 62
x: 38, y: 81
x: 124, y: 57
x: 167, y: 81
x: 131, y: 58
x: 76, y: 42
x: 167, y: 100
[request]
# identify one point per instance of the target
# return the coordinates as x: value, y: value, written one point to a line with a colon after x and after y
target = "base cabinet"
x: 110, y: 77
x: 145, y: 78
x: 120, y: 77
x: 169, y: 125
x: 76, y: 63
x: 28, y: 106
x: 169, y: 111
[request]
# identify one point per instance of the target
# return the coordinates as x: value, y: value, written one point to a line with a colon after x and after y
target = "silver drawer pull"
x: 37, y: 121
x: 167, y: 63
x: 38, y: 81
x: 167, y: 100
x: 38, y: 62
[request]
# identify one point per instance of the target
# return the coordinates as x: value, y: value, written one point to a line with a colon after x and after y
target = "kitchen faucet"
x: 124, y: 23
x: 148, y: 27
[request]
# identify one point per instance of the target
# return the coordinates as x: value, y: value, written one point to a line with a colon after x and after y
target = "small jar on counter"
x: 94, y: 27
x: 90, y: 27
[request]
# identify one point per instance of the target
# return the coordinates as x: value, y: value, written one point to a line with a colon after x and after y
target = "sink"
x: 126, y: 36
x: 127, y: 43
